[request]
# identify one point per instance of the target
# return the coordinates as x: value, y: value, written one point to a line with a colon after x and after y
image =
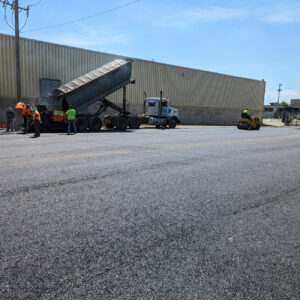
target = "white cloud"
x: 202, y: 15
x: 85, y: 36
x: 283, y: 13
x: 288, y: 13
x: 285, y: 95
x: 214, y: 14
x: 81, y: 40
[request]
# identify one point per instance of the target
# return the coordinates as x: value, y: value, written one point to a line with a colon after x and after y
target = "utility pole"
x: 279, y: 90
x: 14, y: 5
x: 17, y: 39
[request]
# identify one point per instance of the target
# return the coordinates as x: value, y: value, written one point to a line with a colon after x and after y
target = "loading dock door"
x: 47, y: 86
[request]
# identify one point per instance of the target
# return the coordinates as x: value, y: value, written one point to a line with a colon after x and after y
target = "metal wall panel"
x: 184, y: 87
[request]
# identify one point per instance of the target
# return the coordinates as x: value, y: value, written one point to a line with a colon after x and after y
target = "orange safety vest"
x: 24, y: 111
x: 36, y: 116
x: 20, y: 106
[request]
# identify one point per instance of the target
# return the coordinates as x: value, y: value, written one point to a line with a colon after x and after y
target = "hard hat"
x: 27, y: 105
x: 34, y: 109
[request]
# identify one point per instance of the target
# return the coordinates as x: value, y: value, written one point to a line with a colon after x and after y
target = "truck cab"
x: 159, y: 113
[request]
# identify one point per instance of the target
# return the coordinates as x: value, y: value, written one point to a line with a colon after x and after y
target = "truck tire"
x: 108, y: 122
x: 121, y: 123
x: 134, y: 123
x: 82, y: 125
x: 172, y: 123
x: 95, y: 124
x: 46, y: 125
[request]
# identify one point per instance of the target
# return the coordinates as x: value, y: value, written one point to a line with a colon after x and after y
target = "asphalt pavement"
x: 187, y: 213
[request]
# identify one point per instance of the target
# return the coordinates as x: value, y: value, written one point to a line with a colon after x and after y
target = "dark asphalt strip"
x: 267, y: 200
x: 96, y: 176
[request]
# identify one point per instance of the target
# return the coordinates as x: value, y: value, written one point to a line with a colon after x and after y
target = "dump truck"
x: 157, y: 112
x: 86, y: 90
x: 94, y: 87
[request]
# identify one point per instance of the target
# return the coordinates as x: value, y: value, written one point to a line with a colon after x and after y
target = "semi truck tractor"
x: 157, y: 112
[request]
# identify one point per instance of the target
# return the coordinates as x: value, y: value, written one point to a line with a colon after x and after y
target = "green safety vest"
x: 71, y: 114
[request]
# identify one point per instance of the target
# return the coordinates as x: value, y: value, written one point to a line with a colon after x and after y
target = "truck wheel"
x: 108, y: 122
x: 121, y: 123
x: 95, y: 124
x: 134, y: 123
x: 172, y: 123
x: 82, y: 125
x: 46, y: 125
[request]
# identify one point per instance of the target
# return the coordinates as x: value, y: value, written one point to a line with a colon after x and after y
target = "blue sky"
x: 257, y: 39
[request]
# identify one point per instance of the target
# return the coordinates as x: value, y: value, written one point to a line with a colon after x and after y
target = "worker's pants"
x: 71, y: 122
x: 25, y: 124
x: 37, y: 125
x: 10, y: 125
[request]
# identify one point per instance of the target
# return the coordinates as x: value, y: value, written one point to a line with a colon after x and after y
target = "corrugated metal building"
x: 295, y: 102
x: 201, y: 97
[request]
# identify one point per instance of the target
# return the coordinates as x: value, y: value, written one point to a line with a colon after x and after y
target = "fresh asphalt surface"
x: 189, y: 213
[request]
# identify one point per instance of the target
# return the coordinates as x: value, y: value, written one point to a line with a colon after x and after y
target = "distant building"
x: 272, y: 110
x: 276, y: 110
x: 295, y: 102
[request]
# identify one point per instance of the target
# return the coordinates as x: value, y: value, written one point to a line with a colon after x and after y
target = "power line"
x: 35, y: 3
x: 5, y: 17
x: 6, y: 3
x: 84, y: 18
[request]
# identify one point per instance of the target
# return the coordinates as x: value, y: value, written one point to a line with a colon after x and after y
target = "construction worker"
x: 71, y: 119
x: 26, y: 113
x: 37, y: 122
x: 246, y: 114
x: 10, y: 116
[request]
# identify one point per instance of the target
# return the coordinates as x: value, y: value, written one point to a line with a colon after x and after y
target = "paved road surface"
x: 204, y: 213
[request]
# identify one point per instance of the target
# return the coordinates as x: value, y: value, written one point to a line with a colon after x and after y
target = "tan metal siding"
x: 183, y: 86
x: 188, y: 87
x: 7, y: 67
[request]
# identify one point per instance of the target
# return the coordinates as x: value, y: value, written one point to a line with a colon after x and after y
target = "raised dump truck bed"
x: 93, y: 86
x: 86, y: 90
